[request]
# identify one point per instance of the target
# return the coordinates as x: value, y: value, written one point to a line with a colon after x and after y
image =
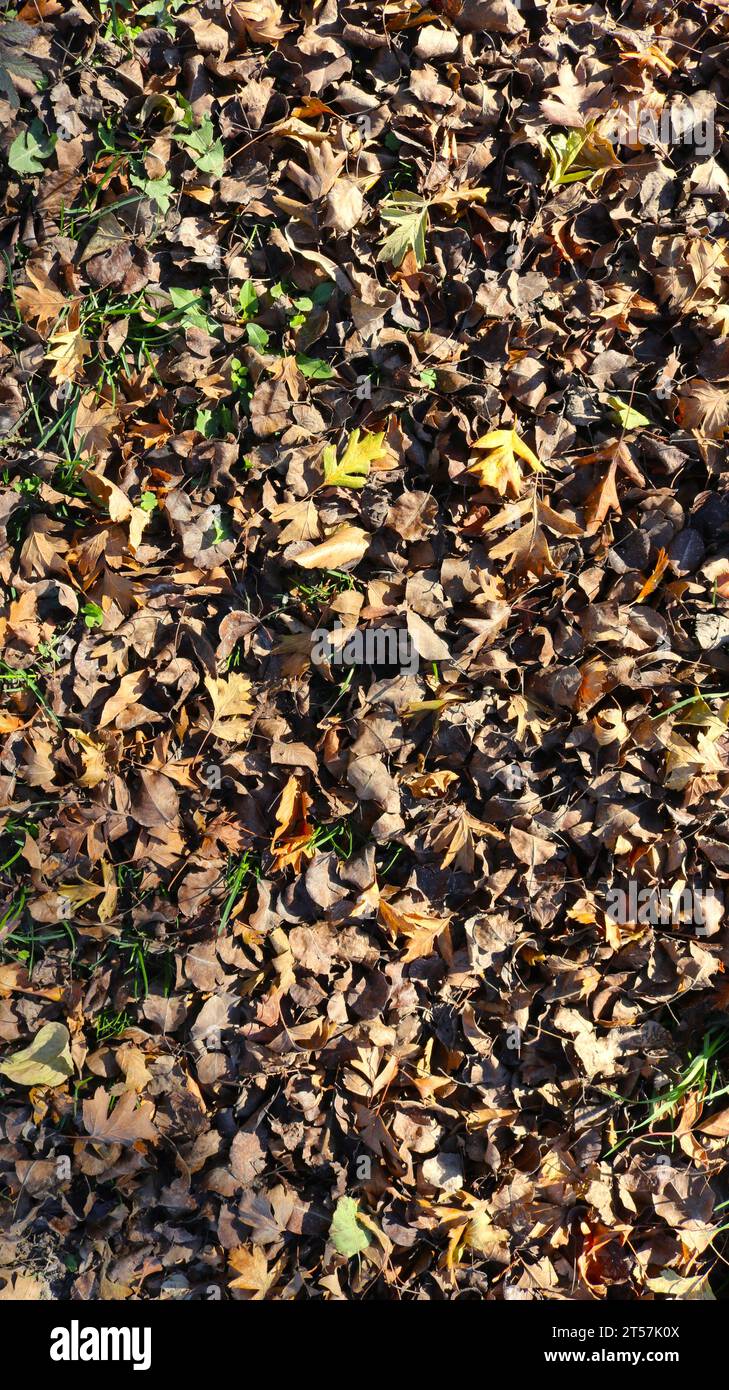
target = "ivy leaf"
x: 345, y: 1232
x: 160, y: 191
x: 409, y: 212
x: 45, y: 1062
x: 205, y: 145
x: 354, y: 465
x: 30, y: 149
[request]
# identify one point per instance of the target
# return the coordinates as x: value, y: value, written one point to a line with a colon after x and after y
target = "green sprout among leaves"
x: 206, y: 149
x: 409, y: 214
x: 580, y: 155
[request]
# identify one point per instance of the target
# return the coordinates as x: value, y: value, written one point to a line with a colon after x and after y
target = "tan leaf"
x: 251, y: 1266
x: 262, y: 20
x: 344, y: 546
x: 422, y: 930
x: 40, y: 302
x: 130, y: 688
x: 429, y: 784
x: 107, y: 906
x: 127, y: 1123
x: 67, y: 350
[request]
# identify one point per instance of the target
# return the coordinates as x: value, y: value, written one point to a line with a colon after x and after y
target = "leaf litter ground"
x: 324, y: 974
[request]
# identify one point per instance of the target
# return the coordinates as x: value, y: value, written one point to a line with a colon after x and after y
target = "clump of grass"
x: 111, y: 1025
x: 701, y: 1074
x: 247, y: 865
x: 338, y: 837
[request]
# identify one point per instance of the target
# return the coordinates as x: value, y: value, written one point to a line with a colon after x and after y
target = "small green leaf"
x: 314, y: 367
x: 239, y: 378
x: 248, y: 299
x: 148, y: 501
x: 323, y: 293
x: 193, y: 315
x: 160, y: 191
x: 409, y: 212
x: 214, y: 424
x: 345, y: 1232
x: 93, y: 615
x: 257, y: 336
x: 206, y: 148
x: 30, y: 149
x: 629, y: 419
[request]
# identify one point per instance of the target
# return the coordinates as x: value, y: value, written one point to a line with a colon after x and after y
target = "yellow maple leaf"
x: 353, y: 468
x: 67, y: 350
x: 497, y: 467
x: 230, y: 701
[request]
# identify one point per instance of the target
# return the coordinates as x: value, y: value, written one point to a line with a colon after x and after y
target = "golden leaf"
x: 67, y: 350
x: 352, y: 469
x: 45, y: 1062
x: 294, y: 830
x: 499, y: 468
x: 231, y: 700
x: 346, y: 544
